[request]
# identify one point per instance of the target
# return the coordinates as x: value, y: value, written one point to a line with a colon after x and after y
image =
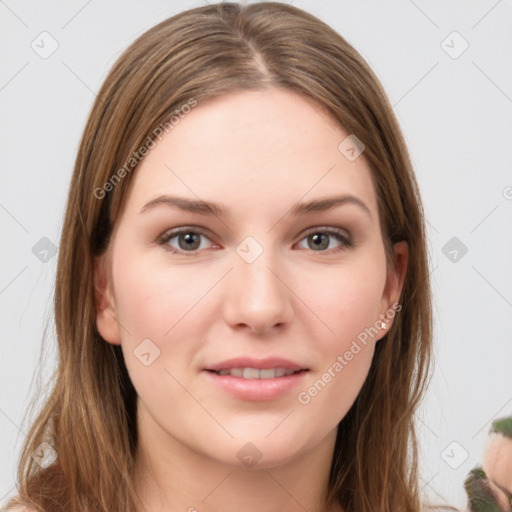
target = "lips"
x: 249, y: 368
x: 255, y: 373
x: 256, y: 379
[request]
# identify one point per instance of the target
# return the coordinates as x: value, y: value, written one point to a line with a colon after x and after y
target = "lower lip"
x: 257, y: 389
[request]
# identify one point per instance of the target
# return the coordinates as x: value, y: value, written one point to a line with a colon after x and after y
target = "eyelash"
x: 338, y: 234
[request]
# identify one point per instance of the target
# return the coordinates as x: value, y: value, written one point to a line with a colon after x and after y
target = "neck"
x: 172, y: 477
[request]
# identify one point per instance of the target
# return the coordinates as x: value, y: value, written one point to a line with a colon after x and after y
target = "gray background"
x: 455, y: 111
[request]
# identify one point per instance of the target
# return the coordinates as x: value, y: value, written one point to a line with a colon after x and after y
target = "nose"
x: 257, y: 296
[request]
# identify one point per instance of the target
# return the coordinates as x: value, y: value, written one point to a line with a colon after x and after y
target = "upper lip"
x: 260, y: 364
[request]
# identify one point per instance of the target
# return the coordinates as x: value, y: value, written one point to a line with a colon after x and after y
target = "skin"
x: 258, y: 153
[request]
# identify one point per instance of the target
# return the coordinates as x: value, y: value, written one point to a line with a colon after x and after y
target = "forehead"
x: 253, y: 149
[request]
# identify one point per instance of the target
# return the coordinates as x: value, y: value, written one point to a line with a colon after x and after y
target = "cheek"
x: 348, y: 299
x: 152, y: 301
x: 158, y: 309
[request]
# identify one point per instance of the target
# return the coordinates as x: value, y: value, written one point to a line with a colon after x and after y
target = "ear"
x: 394, y: 284
x: 106, y: 316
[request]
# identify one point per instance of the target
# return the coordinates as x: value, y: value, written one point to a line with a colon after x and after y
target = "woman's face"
x: 249, y: 243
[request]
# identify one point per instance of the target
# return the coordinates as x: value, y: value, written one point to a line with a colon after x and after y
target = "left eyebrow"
x: 321, y: 205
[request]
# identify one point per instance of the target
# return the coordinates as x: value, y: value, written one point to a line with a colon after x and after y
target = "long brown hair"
x: 89, y: 418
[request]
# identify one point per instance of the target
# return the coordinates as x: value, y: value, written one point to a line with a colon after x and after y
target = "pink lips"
x: 257, y: 389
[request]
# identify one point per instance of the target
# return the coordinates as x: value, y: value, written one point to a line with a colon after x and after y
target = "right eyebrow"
x: 189, y: 205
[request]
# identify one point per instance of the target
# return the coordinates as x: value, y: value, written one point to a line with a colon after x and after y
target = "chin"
x: 256, y: 450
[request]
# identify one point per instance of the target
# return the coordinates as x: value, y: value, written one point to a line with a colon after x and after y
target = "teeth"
x: 236, y: 372
x: 280, y: 372
x: 251, y: 373
x: 254, y: 373
x: 266, y: 374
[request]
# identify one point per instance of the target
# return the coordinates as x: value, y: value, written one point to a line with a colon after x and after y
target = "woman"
x: 242, y: 298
